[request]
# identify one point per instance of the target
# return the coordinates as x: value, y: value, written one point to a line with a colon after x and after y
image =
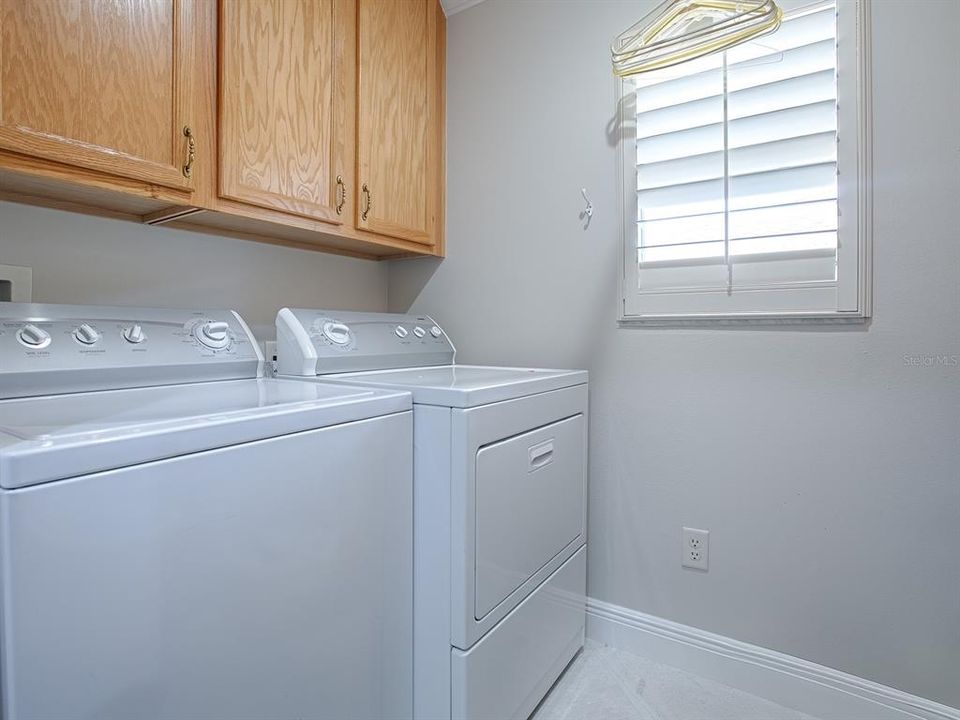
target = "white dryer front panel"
x: 509, y: 670
x: 518, y: 502
x: 529, y: 506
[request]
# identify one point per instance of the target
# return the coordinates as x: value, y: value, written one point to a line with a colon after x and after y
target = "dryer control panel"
x: 321, y: 342
x: 53, y: 349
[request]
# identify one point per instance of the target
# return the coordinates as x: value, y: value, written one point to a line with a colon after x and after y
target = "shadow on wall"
x: 416, y: 274
x: 615, y: 124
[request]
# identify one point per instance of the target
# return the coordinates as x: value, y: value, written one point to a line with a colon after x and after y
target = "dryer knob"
x: 86, y: 334
x: 134, y: 334
x: 337, y: 333
x: 436, y: 331
x: 213, y: 334
x: 32, y: 336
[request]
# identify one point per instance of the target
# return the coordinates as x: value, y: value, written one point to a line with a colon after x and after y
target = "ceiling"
x: 451, y: 7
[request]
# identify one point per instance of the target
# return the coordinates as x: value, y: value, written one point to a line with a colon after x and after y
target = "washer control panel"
x: 319, y: 342
x: 50, y: 349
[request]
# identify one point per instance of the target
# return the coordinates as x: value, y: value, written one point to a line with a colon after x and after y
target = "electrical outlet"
x: 696, y: 549
x: 15, y: 283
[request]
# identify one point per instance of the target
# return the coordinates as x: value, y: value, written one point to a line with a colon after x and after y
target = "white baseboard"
x: 789, y: 681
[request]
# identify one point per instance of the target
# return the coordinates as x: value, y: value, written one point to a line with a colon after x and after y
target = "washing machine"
x: 499, y: 505
x: 183, y: 538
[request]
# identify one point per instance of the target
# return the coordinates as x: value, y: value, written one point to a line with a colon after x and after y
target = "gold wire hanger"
x: 680, y: 30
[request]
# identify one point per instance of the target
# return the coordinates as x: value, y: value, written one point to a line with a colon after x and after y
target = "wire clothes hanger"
x: 680, y: 30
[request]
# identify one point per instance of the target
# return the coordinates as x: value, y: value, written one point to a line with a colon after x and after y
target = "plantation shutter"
x: 736, y: 165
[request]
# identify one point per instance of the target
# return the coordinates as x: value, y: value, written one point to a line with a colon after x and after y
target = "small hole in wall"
x: 6, y: 290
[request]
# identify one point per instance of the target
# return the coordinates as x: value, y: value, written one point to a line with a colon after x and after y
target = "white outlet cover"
x: 696, y: 549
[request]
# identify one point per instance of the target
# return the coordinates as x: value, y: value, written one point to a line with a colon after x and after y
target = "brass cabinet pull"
x: 341, y: 194
x: 368, y: 201
x: 191, y: 151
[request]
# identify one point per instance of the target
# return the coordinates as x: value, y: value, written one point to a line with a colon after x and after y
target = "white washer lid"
x: 466, y: 385
x: 55, y: 437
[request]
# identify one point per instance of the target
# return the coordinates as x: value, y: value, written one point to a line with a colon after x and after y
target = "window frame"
x: 852, y: 292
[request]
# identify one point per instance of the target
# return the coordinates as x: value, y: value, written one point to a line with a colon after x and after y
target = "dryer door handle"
x: 540, y: 454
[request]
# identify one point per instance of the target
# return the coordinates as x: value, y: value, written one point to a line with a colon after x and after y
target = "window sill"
x: 743, y: 320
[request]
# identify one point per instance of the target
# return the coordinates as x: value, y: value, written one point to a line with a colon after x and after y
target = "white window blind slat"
x: 681, y: 90
x: 791, y: 152
x: 681, y: 171
x: 816, y: 182
x: 776, y: 187
x: 686, y: 82
x: 754, y: 223
x: 802, y: 268
x: 683, y: 143
x: 706, y: 111
x: 737, y: 164
x: 781, y: 94
x: 751, y: 123
x: 679, y: 73
x: 815, y: 242
x: 678, y: 255
x: 797, y: 31
x: 682, y: 230
x: 784, y: 219
x: 701, y: 265
x: 782, y: 65
x: 674, y: 200
x: 782, y: 124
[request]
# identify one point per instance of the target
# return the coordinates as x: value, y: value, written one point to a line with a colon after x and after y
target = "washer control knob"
x: 401, y: 331
x: 213, y: 334
x: 134, y: 334
x: 337, y: 333
x: 86, y: 334
x: 436, y: 331
x: 32, y: 336
x: 419, y: 331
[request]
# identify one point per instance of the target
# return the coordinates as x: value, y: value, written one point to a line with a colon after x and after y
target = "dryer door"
x: 517, y: 502
x: 529, y: 491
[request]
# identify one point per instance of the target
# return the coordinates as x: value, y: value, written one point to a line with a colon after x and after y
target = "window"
x: 745, y: 177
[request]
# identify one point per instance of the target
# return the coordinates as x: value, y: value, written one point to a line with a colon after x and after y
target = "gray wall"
x: 90, y: 260
x: 825, y: 464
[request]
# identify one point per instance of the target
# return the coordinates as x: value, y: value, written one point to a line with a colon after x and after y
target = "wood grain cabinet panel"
x: 398, y: 150
x: 104, y: 85
x: 284, y: 104
x: 313, y: 123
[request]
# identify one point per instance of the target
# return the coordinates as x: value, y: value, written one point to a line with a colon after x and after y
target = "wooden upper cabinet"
x: 286, y: 77
x: 315, y: 123
x: 398, y: 140
x: 100, y: 84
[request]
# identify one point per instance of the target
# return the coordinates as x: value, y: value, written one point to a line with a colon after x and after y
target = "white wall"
x: 90, y: 260
x: 826, y: 467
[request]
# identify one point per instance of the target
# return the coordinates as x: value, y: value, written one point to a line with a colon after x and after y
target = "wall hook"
x: 588, y: 210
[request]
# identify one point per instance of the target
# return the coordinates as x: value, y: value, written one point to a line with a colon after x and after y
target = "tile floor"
x: 606, y: 684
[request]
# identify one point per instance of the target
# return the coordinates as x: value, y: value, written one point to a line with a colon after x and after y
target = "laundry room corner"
x: 822, y: 458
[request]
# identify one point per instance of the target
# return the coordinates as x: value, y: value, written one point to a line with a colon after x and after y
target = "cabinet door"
x: 397, y: 145
x: 285, y: 89
x: 100, y: 84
